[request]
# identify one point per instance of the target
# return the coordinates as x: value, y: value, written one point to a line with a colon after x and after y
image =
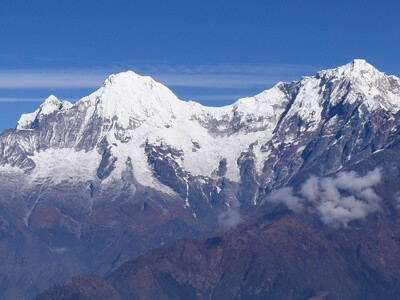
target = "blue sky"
x: 210, y: 51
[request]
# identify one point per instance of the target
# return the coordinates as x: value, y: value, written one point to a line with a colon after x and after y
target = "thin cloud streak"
x: 215, y: 97
x: 226, y: 76
x: 46, y: 79
x: 229, y: 76
x: 22, y: 100
x: 227, y: 69
x: 230, y: 81
x: 29, y: 100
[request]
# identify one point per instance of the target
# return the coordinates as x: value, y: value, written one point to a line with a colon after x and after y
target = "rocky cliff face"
x: 87, y: 186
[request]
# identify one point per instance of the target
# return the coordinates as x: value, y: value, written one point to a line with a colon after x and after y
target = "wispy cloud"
x: 224, y: 76
x: 215, y: 97
x: 49, y: 79
x: 29, y: 100
x: 19, y: 99
x: 226, y: 81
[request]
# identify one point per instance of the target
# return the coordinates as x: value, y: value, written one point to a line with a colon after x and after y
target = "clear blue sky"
x: 211, y: 51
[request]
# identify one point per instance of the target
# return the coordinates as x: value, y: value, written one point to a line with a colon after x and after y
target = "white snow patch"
x: 58, y: 165
x: 10, y: 169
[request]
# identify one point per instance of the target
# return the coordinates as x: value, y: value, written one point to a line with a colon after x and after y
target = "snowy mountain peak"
x: 362, y: 83
x: 360, y: 64
x: 51, y: 98
x: 130, y: 97
x: 127, y: 79
x: 49, y: 106
x: 357, y: 68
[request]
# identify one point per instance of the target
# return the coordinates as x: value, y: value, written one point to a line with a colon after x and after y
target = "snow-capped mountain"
x: 131, y: 166
x: 131, y: 114
x: 134, y: 126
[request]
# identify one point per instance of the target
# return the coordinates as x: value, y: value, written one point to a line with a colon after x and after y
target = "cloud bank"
x: 338, y: 200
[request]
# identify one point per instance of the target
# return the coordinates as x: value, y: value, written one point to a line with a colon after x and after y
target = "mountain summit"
x: 130, y: 111
x: 131, y: 167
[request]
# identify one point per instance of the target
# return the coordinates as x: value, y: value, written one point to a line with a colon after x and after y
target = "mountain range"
x: 298, y: 183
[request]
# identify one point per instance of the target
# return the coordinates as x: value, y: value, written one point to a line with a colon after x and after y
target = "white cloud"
x: 230, y: 218
x: 19, y: 99
x: 286, y: 195
x: 227, y: 76
x: 398, y: 201
x: 310, y: 189
x: 353, y: 182
x: 47, y: 79
x: 338, y: 200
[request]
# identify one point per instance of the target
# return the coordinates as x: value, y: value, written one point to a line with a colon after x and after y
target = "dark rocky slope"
x: 281, y: 256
